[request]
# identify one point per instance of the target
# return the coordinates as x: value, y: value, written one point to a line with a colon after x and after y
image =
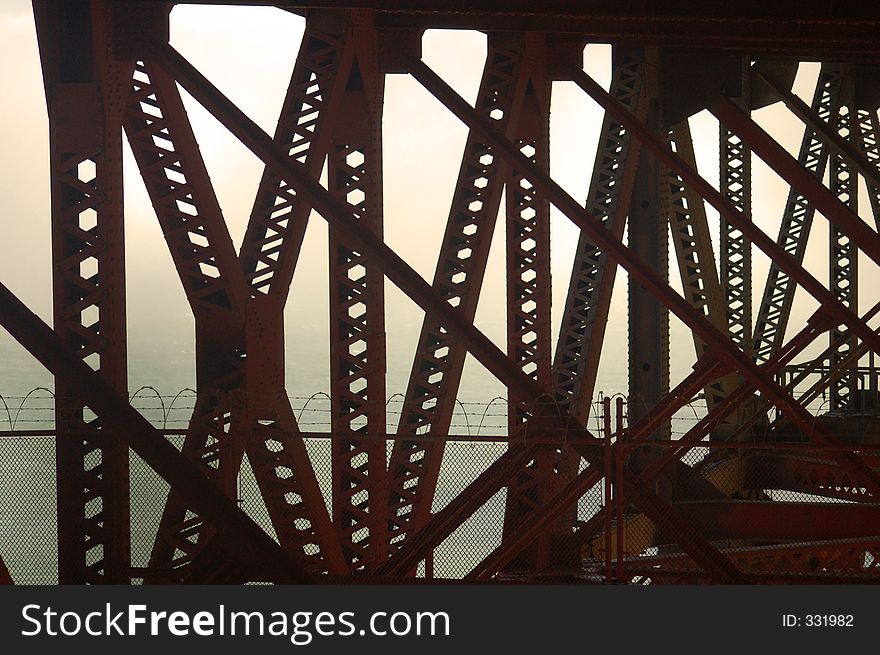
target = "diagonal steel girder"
x: 724, y: 349
x: 147, y: 442
x: 394, y: 267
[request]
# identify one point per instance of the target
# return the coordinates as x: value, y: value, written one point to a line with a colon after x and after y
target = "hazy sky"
x: 249, y: 53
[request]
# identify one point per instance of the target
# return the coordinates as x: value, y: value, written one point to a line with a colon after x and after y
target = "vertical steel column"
x: 735, y: 249
x: 357, y: 314
x: 843, y: 254
x: 85, y: 92
x: 648, y: 318
x: 797, y: 220
x: 437, y: 367
x: 529, y: 284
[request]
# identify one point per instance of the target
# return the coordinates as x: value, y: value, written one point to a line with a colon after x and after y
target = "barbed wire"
x: 471, y: 416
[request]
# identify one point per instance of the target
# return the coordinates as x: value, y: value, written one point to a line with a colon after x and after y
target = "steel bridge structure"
x: 762, y: 488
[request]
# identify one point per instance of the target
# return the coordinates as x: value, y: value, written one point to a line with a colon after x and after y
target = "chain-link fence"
x: 766, y: 505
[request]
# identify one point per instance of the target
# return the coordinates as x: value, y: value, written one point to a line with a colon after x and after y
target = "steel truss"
x: 670, y: 512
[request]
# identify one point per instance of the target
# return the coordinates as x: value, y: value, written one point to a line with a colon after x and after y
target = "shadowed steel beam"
x: 177, y: 181
x: 843, y: 254
x: 748, y: 26
x: 869, y: 143
x: 692, y: 243
x: 786, y: 560
x: 647, y: 239
x: 735, y: 251
x: 135, y: 431
x: 728, y: 352
x: 765, y: 520
x: 181, y: 192
x: 829, y: 131
x: 807, y: 473
x: 585, y: 312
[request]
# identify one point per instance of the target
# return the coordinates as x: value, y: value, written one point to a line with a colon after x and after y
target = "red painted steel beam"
x: 830, y: 557
x: 643, y: 576
x: 85, y: 92
x: 528, y: 297
x: 251, y: 542
x: 797, y: 219
x: 181, y: 192
x: 757, y: 520
x: 357, y: 314
x: 809, y: 473
x: 177, y: 181
x: 585, y: 310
